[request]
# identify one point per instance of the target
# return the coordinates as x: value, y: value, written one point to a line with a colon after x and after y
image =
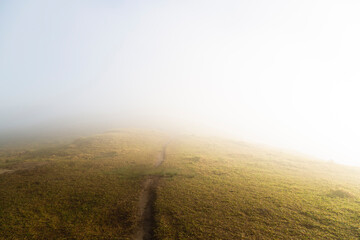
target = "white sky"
x: 283, y: 72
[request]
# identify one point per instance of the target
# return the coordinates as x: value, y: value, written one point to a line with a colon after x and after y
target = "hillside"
x: 101, y: 187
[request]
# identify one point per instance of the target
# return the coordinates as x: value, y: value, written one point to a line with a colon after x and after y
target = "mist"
x: 281, y: 73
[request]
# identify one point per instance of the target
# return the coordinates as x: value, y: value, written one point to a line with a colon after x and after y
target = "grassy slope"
x: 85, y: 190
x: 210, y: 189
x: 228, y: 190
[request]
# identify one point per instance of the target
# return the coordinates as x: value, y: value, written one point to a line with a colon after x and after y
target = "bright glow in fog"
x: 285, y: 73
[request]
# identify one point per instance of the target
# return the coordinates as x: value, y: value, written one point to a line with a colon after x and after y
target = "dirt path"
x: 162, y: 156
x: 146, y: 207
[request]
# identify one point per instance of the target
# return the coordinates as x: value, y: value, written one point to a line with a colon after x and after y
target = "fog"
x: 282, y: 73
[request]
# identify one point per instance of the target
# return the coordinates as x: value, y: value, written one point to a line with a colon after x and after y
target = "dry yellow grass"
x: 208, y: 189
x: 233, y: 190
x: 88, y: 189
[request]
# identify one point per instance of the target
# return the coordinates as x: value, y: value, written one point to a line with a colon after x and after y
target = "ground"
x: 207, y: 188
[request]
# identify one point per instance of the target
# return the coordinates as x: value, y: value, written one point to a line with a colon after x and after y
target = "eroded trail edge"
x: 146, y: 207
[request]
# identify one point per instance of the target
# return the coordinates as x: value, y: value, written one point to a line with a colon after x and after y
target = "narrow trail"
x: 146, y: 207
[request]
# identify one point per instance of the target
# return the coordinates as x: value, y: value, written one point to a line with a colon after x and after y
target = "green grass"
x: 229, y: 190
x: 209, y: 189
x: 84, y: 190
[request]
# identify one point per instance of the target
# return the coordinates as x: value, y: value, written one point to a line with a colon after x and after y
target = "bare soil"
x: 146, y: 207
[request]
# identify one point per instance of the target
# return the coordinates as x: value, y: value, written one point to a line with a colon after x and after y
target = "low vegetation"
x: 208, y: 189
x: 84, y: 190
x: 232, y: 190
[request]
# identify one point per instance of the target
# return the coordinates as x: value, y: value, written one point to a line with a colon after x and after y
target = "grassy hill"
x: 207, y: 189
x: 87, y: 189
x: 232, y: 190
